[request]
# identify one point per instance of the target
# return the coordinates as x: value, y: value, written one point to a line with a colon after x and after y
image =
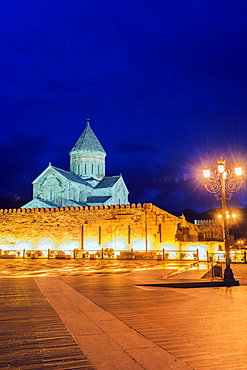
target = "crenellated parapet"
x: 206, y: 222
x: 145, y: 206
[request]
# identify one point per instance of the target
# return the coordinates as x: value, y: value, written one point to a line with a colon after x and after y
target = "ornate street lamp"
x: 222, y: 183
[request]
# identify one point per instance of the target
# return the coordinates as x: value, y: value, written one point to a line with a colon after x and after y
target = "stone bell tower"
x: 87, y: 157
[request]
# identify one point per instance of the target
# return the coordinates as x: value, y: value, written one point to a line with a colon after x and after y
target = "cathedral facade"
x: 85, y: 184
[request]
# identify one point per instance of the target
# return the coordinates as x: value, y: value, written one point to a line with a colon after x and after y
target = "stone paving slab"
x: 123, y: 347
x: 32, y: 336
x: 205, y: 328
x: 161, y: 328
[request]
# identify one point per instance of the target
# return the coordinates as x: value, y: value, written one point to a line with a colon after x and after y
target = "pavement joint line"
x: 102, y: 342
x: 181, y: 270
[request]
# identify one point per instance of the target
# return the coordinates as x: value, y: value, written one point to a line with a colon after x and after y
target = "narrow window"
x: 81, y: 196
x: 98, y: 170
x: 92, y: 167
x: 99, y: 234
x: 85, y: 169
x: 129, y: 232
x: 160, y: 232
x: 82, y: 237
x: 50, y: 194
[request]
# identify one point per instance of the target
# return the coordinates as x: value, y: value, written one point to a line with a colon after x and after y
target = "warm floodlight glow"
x: 206, y: 172
x: 221, y: 165
x: 238, y: 170
x: 229, y: 217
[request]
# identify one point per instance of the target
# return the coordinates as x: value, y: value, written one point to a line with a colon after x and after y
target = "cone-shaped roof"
x: 87, y: 141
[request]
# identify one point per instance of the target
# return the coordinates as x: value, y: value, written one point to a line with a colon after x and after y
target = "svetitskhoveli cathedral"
x: 85, y: 184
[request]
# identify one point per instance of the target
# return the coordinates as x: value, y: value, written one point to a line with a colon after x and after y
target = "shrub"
x: 140, y: 255
x: 107, y: 252
x: 126, y: 253
x: 39, y: 253
x: 34, y: 252
x: 77, y: 253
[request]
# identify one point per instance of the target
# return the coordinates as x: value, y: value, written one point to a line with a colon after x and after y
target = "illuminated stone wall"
x: 141, y: 227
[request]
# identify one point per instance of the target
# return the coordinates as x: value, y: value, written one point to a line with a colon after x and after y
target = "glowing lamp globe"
x: 206, y: 172
x: 238, y: 170
x: 221, y: 165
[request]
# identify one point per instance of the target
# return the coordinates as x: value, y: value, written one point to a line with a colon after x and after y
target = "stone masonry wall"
x: 141, y: 227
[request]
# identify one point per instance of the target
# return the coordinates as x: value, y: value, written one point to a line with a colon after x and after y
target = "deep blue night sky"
x: 163, y: 82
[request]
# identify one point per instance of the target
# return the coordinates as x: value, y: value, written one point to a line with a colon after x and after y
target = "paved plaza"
x: 96, y: 315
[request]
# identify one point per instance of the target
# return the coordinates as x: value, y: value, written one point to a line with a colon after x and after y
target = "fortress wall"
x: 137, y: 226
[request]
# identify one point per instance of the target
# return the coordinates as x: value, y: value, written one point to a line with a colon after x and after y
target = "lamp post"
x: 222, y: 183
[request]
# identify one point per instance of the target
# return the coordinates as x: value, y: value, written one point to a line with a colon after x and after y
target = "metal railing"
x: 104, y: 253
x: 237, y: 256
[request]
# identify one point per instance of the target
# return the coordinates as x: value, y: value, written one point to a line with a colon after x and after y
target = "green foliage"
x: 77, y: 253
x: 53, y: 253
x: 126, y: 253
x: 38, y: 253
x: 107, y: 252
x: 145, y: 255
x: 139, y: 255
x: 99, y: 254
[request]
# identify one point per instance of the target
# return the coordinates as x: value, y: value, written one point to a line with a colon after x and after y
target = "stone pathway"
x: 32, y: 336
x: 108, y: 342
x: 107, y: 322
x: 205, y: 328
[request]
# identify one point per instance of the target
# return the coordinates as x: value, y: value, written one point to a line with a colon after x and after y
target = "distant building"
x: 209, y: 229
x: 212, y: 229
x: 85, y: 184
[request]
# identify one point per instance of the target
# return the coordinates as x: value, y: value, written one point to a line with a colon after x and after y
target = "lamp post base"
x: 229, y: 277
